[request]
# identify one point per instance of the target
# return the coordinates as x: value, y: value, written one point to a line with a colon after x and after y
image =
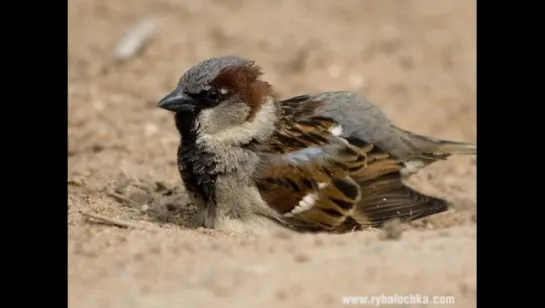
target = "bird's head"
x: 223, y: 97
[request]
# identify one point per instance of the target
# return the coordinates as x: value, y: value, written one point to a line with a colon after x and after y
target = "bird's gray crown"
x: 200, y: 76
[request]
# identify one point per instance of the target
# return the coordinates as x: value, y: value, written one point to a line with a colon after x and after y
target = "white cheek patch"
x: 224, y: 91
x: 204, y: 119
x: 336, y: 130
x: 261, y: 127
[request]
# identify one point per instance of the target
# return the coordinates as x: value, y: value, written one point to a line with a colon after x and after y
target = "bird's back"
x: 390, y: 153
x: 361, y: 119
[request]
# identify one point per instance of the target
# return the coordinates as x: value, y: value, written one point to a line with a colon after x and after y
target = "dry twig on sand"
x: 110, y: 221
x: 123, y: 199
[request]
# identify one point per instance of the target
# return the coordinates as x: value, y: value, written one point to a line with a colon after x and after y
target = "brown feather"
x: 292, y: 135
x: 299, y: 106
x: 245, y: 83
x: 334, y: 203
x: 387, y: 197
x: 378, y: 163
x: 283, y: 187
x: 284, y: 183
x: 354, y: 184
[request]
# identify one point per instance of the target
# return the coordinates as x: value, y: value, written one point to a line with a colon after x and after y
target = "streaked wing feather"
x: 319, y: 181
x: 305, y: 173
x: 310, y: 187
x: 387, y: 197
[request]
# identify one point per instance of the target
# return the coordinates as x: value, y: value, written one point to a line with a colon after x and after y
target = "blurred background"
x: 416, y: 59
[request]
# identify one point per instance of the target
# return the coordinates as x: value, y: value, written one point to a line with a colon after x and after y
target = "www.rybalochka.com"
x: 412, y: 299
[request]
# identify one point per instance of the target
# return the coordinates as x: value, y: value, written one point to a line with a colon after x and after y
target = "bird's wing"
x: 320, y: 181
x: 305, y: 174
x: 385, y: 196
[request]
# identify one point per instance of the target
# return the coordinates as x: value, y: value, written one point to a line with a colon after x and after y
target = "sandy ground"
x: 416, y: 59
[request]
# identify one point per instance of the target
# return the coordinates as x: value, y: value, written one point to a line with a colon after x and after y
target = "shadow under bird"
x: 326, y: 162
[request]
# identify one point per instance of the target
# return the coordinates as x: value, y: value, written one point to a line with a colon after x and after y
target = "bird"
x: 327, y: 162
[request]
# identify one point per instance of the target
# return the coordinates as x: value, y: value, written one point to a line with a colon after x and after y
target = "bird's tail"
x: 453, y: 147
x: 438, y: 147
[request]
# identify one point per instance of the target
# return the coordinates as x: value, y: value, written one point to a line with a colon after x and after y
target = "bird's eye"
x: 214, y: 95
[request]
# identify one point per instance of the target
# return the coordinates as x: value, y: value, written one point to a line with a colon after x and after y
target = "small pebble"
x: 318, y: 241
x: 445, y: 233
x: 150, y: 129
x: 283, y: 234
x: 391, y: 230
x: 221, y: 290
x: 281, y: 295
x: 144, y: 208
x: 98, y: 105
x: 356, y: 81
x: 301, y: 258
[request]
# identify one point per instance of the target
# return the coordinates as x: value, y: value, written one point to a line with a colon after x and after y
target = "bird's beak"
x: 177, y: 101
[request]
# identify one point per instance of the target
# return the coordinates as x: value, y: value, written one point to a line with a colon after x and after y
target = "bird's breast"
x: 198, y: 171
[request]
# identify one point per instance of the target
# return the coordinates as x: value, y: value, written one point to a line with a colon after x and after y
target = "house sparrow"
x: 326, y: 162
